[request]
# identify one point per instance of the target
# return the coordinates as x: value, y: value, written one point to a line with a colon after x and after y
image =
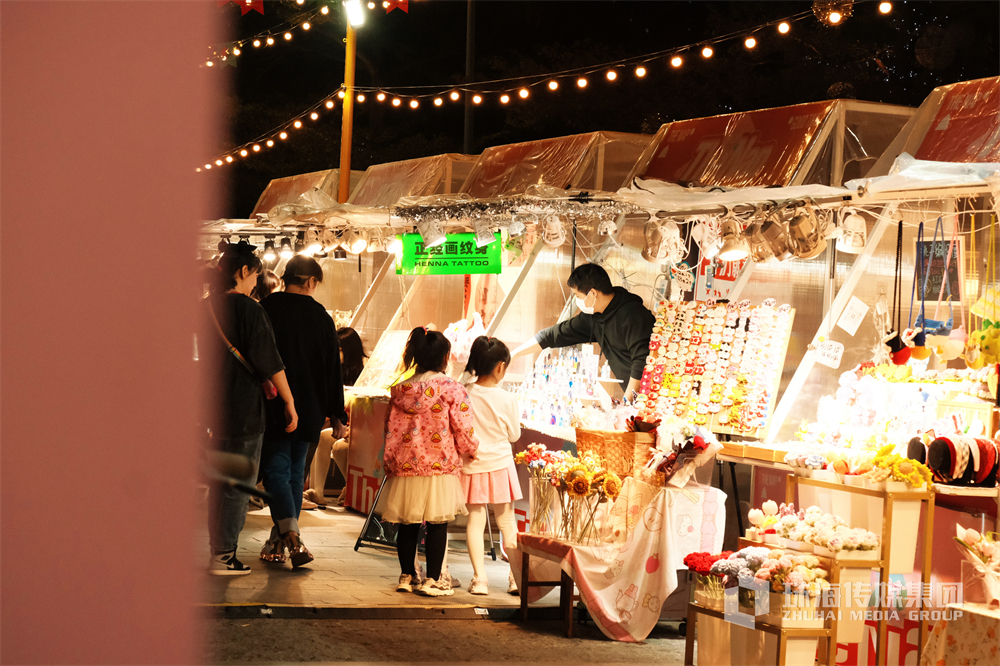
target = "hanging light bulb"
x: 523, y: 93
x: 269, y: 254
x: 288, y: 36
x: 341, y: 94
x: 371, y: 5
x: 504, y: 99
x: 380, y: 97
x: 218, y: 162
x: 581, y: 82
x: 835, y: 17
x: 313, y: 244
x: 270, y: 41
x: 885, y: 7
x: 832, y: 12
x: 244, y: 153
x: 314, y: 115
x: 476, y: 99
x: 438, y: 101
x: 297, y: 124
x: 734, y: 247
x: 611, y: 75
x: 329, y: 104
x: 269, y: 143
x: 676, y: 61
x: 396, y: 101
x: 640, y: 71
x: 236, y: 51
x: 286, y: 248
x: 355, y: 242
x: 306, y: 25
x: 431, y: 232
x: 324, y: 10
x: 361, y: 97
x: 209, y: 64
x: 256, y: 148
x: 256, y: 43
x: 395, y: 246
x: 414, y: 103
x: 783, y: 27
x: 707, y: 52
x: 208, y: 166
x: 283, y: 136
x: 454, y: 95
x: 553, y: 85
x: 229, y: 158
x: 750, y: 42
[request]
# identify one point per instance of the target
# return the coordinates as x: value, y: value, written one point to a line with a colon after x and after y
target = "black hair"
x: 354, y: 355
x: 427, y: 349
x: 590, y: 276
x: 268, y: 282
x: 234, y: 257
x: 486, y: 354
x: 299, y: 269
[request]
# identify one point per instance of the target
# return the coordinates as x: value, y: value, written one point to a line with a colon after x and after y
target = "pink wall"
x: 105, y: 114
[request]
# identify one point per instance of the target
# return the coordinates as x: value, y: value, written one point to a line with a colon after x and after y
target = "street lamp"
x: 355, y: 19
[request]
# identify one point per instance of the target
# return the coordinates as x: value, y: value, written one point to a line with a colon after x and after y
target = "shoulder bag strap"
x: 235, y: 352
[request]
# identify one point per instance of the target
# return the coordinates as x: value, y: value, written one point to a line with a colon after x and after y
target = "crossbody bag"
x: 270, y: 391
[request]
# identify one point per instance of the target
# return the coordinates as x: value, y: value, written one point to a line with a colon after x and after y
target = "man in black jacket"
x: 610, y: 316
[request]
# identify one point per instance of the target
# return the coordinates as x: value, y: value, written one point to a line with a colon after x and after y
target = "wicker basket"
x: 616, y: 448
x: 642, y: 456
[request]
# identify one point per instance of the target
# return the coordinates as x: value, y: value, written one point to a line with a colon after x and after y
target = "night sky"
x: 898, y: 59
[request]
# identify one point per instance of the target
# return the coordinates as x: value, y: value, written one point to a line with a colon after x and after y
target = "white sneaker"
x: 512, y: 585
x: 478, y: 586
x: 453, y: 581
x: 405, y: 583
x: 227, y: 565
x: 433, y: 588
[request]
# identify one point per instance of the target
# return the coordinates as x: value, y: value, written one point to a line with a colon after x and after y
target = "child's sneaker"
x: 226, y: 564
x: 405, y: 583
x: 433, y: 588
x: 478, y: 586
x: 453, y: 581
x: 512, y: 585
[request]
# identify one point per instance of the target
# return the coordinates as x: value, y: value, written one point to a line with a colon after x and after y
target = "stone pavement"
x: 340, y: 577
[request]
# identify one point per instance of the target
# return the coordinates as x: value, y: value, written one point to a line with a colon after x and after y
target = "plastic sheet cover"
x: 597, y: 158
x: 385, y: 184
x: 657, y: 195
x: 753, y: 149
x: 287, y: 190
x: 966, y: 127
x: 910, y: 173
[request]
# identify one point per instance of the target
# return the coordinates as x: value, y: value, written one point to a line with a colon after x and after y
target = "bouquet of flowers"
x: 795, y: 574
x: 983, y: 553
x: 583, y: 484
x: 680, y: 449
x: 914, y: 473
x: 538, y: 460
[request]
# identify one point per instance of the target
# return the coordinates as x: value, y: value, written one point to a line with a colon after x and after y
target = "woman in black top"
x: 307, y: 340
x: 237, y: 417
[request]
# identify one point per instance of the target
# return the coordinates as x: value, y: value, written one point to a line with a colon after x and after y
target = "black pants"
x: 435, y: 544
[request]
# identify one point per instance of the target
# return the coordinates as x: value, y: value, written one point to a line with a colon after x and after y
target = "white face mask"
x: 582, y: 304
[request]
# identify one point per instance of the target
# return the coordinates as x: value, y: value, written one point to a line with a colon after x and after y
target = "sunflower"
x: 575, y: 471
x: 578, y: 486
x: 612, y: 486
x: 597, y: 480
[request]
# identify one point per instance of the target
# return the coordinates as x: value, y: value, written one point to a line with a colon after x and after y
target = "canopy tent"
x: 287, y: 190
x: 385, y: 184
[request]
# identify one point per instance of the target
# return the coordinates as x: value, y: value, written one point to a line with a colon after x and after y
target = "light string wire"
x: 223, y: 51
x: 477, y: 88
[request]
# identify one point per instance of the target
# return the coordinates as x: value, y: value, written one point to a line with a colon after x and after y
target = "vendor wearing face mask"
x: 610, y: 316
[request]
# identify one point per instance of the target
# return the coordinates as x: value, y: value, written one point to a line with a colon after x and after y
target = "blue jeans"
x: 227, y: 507
x: 283, y: 462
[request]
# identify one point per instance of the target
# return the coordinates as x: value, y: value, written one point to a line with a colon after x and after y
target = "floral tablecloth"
x: 624, y: 580
x: 972, y: 638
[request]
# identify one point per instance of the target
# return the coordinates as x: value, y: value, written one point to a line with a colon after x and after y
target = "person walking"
x: 238, y: 351
x: 307, y: 341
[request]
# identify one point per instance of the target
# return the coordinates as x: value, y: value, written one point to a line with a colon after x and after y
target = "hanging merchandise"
x: 948, y: 344
x: 915, y: 338
x: 984, y: 342
x: 899, y: 352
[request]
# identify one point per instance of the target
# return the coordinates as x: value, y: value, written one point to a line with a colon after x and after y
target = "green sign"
x: 457, y: 255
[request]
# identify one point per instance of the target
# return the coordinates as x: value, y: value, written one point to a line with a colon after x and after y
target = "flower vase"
x: 709, y: 591
x: 542, y: 503
x: 897, y: 486
x: 903, y: 537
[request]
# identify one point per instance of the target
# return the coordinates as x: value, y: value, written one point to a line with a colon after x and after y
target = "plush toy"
x: 948, y: 347
x: 987, y: 337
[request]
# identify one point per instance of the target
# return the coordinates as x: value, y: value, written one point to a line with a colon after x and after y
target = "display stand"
x: 889, y: 499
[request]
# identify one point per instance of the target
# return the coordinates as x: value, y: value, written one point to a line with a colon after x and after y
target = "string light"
x: 270, y: 41
x: 229, y: 158
x: 783, y: 27
x: 553, y: 85
x: 612, y: 75
x: 341, y: 94
x: 244, y: 153
x: 219, y: 162
x: 305, y: 26
x: 581, y: 82
x: 380, y: 97
x: 640, y: 71
x: 504, y: 99
x: 329, y: 104
x: 314, y: 116
x: 371, y: 5
x: 324, y: 10
x: 476, y: 99
x: 707, y: 52
x: 208, y: 166
x: 283, y: 136
x: 256, y: 147
x: 256, y: 43
x: 236, y: 51
x: 750, y: 42
x: 676, y: 61
x: 396, y: 101
x: 523, y: 93
x: 297, y: 124
x: 270, y: 143
x: 454, y: 95
x: 209, y: 63
x: 414, y: 103
x: 361, y: 97
x: 438, y: 101
x: 885, y: 7
x: 288, y: 36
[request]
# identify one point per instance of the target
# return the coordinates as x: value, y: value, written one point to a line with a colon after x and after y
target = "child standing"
x: 491, y: 479
x: 428, y: 432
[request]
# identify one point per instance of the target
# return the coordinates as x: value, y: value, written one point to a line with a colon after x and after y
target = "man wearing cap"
x: 610, y: 316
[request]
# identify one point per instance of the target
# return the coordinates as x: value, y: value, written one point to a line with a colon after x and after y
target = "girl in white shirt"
x: 491, y: 479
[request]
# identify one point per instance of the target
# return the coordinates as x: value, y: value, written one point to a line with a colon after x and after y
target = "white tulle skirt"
x: 416, y: 499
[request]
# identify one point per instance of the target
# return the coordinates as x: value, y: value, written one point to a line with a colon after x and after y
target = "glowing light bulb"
x: 283, y: 136
x: 523, y: 93
x: 256, y: 43
x: 750, y: 42
x: 783, y: 27
x: 236, y: 51
x: 553, y: 85
x: 371, y: 5
x: 438, y: 101
x: 300, y: 2
x: 581, y: 82
x: 504, y: 99
x: 341, y: 94
x: 885, y: 7
x: 640, y: 71
x: 324, y: 11
x: 209, y: 63
x: 218, y: 162
x: 414, y: 103
x: 306, y: 25
x: 676, y: 61
x: 208, y: 166
x: 288, y: 36
x: 396, y: 101
x: 197, y: 169
x: 229, y: 158
x: 329, y: 103
x: 454, y: 95
x: 244, y: 153
x: 707, y: 52
x: 476, y: 99
x: 256, y: 148
x: 612, y: 75
x: 314, y: 115
x: 270, y: 143
x: 380, y: 97
x: 270, y: 41
x: 361, y: 97
x: 835, y: 17
x: 297, y: 124
x: 385, y: 5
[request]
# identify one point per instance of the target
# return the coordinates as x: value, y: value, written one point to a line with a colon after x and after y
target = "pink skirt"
x: 497, y: 487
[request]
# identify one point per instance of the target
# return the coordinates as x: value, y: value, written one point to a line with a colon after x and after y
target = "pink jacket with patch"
x: 429, y: 428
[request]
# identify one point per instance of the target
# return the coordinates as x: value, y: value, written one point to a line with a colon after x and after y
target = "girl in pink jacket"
x: 428, y: 432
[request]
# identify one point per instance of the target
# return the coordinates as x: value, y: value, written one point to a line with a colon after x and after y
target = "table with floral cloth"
x: 625, y: 578
x: 970, y: 638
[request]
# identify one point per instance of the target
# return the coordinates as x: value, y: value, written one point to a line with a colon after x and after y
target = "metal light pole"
x: 355, y: 18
